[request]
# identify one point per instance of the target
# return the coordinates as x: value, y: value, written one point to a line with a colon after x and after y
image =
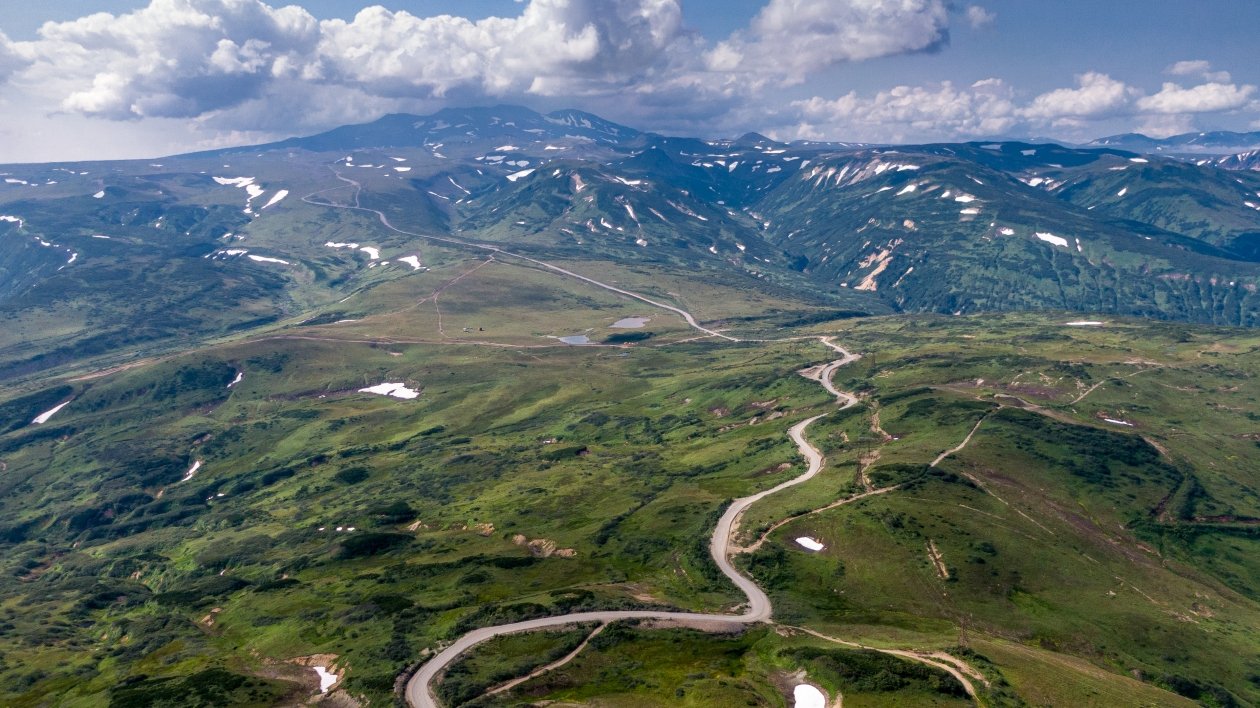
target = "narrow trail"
x: 940, y: 660
x: 549, y: 667
x: 958, y: 448
x: 756, y: 546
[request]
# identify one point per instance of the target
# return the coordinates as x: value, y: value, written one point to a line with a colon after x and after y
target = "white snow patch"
x: 641, y: 242
x: 234, y: 181
x: 630, y: 182
x: 810, y: 543
x: 506, y: 148
x: 1113, y: 421
x: 907, y: 189
x: 397, y: 390
x: 327, y: 679
x: 1138, y: 159
x: 1006, y: 231
x: 413, y: 261
x: 265, y: 259
x: 99, y: 195
x: 970, y: 211
x: 43, y: 417
x: 373, y: 252
x: 807, y: 696
x: 1085, y: 323
x: 1122, y: 192
x: 520, y: 175
x: 402, y: 169
x: 1051, y: 238
x: 630, y: 210
x: 337, y: 244
x: 12, y: 220
x: 964, y: 198
x: 240, y: 376
x: 192, y: 471
x: 277, y: 198
x: 458, y: 186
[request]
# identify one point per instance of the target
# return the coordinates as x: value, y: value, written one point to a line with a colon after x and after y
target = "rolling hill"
x: 339, y: 400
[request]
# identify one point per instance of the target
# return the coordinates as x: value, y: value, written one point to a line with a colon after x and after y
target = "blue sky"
x: 154, y: 77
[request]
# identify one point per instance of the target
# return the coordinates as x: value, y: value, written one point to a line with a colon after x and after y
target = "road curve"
x: 419, y: 692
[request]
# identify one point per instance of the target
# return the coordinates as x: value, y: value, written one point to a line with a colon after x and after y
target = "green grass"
x: 1119, y: 559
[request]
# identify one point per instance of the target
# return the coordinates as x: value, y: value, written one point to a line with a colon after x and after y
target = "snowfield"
x: 397, y: 390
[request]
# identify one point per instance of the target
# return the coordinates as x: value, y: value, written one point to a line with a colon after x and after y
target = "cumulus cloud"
x: 1204, y: 98
x: 249, y: 65
x: 1198, y: 68
x: 979, y: 18
x: 194, y: 58
x: 174, y: 58
x: 553, y: 47
x: 10, y: 61
x: 790, y: 38
x: 912, y: 112
x: 990, y: 108
x: 1096, y: 95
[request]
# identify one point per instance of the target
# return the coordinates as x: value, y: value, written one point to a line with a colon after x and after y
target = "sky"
x: 108, y: 79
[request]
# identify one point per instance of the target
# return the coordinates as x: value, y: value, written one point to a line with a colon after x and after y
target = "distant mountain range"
x: 1211, y: 143
x: 219, y: 242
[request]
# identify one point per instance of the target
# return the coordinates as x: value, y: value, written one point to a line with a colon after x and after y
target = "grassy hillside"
x: 1069, y: 541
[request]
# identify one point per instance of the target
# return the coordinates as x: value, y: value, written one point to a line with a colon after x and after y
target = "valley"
x: 333, y: 427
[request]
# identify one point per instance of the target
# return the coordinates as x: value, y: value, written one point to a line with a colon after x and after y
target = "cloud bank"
x: 246, y: 67
x: 220, y: 61
x: 989, y: 108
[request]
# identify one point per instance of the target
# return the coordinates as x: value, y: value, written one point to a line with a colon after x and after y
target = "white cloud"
x: 1163, y: 126
x: 10, y: 60
x: 1204, y: 98
x: 174, y: 58
x: 911, y: 113
x: 554, y: 47
x: 192, y: 58
x: 1199, y: 68
x: 979, y: 17
x: 1097, y: 95
x: 990, y: 108
x: 789, y: 39
x: 247, y: 65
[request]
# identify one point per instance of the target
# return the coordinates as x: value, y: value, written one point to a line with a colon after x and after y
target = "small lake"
x: 576, y: 339
x: 630, y: 323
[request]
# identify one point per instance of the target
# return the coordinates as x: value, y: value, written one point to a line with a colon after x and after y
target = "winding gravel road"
x: 419, y: 691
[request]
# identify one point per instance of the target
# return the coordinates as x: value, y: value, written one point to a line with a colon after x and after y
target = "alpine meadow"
x: 454, y: 402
